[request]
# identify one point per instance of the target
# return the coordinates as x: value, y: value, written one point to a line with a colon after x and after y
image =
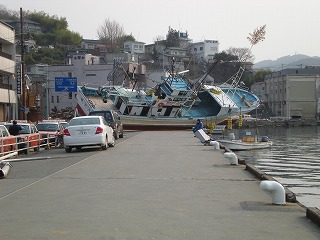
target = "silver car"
x: 88, y: 131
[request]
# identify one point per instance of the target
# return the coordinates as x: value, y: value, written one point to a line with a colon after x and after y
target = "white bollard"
x: 215, y: 144
x: 277, y: 191
x: 4, y: 169
x: 232, y: 157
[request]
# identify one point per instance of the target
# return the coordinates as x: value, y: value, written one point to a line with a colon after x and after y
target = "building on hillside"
x: 86, y: 68
x: 28, y: 26
x: 294, y: 93
x: 8, y: 81
x: 93, y: 47
x: 134, y: 47
x: 205, y: 50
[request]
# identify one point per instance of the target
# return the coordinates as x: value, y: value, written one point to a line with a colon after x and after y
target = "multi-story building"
x: 8, y: 96
x: 205, y: 50
x: 294, y: 93
x: 88, y: 70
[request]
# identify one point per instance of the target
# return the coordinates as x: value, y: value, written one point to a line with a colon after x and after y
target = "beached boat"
x: 174, y: 103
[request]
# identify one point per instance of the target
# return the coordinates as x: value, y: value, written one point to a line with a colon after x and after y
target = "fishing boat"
x: 174, y: 103
x: 247, y: 142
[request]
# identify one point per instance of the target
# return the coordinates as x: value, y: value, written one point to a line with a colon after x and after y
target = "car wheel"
x: 112, y: 143
x: 36, y: 149
x: 104, y: 147
x: 68, y: 149
x: 121, y: 134
x: 116, y: 134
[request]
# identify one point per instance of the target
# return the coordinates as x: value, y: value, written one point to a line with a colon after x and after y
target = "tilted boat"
x: 174, y: 103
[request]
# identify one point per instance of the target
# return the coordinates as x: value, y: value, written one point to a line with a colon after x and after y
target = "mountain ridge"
x: 289, y: 61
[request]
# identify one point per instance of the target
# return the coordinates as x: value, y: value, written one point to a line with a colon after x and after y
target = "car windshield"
x: 47, y: 127
x: 84, y: 121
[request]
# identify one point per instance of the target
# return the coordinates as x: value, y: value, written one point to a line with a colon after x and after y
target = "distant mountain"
x: 295, y: 61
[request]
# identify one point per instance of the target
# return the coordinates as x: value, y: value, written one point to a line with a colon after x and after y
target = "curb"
x: 314, y: 215
x: 290, y: 196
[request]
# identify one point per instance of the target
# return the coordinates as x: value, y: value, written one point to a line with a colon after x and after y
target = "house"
x: 93, y: 46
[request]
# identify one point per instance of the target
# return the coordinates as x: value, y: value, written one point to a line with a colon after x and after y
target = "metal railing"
x: 26, y: 143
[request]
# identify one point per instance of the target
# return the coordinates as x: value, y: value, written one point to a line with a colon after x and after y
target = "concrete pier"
x: 155, y: 185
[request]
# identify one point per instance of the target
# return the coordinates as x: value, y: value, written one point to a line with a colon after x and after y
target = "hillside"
x: 294, y: 61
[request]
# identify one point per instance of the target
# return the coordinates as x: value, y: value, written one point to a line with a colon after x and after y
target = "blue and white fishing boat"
x: 174, y: 103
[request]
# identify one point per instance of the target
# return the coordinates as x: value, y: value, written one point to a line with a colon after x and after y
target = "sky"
x: 292, y: 26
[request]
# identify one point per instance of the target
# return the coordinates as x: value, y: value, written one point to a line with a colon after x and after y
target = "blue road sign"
x: 65, y: 84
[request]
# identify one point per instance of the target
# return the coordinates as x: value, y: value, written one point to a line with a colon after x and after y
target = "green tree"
x: 48, y: 23
x: 172, y: 38
x: 54, y: 30
x: 250, y: 78
x: 225, y: 56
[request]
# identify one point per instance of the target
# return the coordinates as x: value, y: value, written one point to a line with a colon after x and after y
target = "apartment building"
x: 205, y: 50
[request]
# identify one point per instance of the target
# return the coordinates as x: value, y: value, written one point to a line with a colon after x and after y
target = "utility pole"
x: 23, y: 95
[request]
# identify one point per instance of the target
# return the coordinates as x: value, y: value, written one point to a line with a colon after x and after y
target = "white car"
x: 88, y: 131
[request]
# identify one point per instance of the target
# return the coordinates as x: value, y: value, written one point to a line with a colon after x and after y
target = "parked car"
x: 113, y: 119
x: 64, y: 124
x: 52, y: 131
x: 88, y: 131
x: 7, y: 142
x: 29, y: 133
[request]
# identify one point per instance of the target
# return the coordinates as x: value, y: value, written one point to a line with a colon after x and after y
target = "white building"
x: 134, y: 47
x: 205, y: 50
x: 8, y: 96
x: 86, y: 68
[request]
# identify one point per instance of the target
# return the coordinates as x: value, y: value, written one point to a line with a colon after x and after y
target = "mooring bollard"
x: 215, y: 144
x: 232, y: 157
x: 277, y: 191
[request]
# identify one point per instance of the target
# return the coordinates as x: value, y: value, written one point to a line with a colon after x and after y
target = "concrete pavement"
x: 155, y: 185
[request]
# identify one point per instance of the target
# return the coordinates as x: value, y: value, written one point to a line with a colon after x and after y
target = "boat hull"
x: 238, y: 145
x: 152, y: 123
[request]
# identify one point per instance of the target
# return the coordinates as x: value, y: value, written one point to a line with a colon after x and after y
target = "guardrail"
x: 26, y: 143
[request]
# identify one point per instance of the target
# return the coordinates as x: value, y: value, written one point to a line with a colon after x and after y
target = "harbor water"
x: 293, y: 160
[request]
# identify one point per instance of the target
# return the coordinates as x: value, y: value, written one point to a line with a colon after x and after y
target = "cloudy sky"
x: 293, y: 26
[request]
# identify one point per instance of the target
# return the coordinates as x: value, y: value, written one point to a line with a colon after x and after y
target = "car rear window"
x: 47, y: 127
x: 25, y: 128
x: 84, y: 121
x: 106, y: 115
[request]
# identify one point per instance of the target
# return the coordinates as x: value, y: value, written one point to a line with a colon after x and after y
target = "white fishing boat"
x: 247, y: 142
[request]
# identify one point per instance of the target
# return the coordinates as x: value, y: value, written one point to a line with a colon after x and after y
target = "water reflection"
x: 293, y: 160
